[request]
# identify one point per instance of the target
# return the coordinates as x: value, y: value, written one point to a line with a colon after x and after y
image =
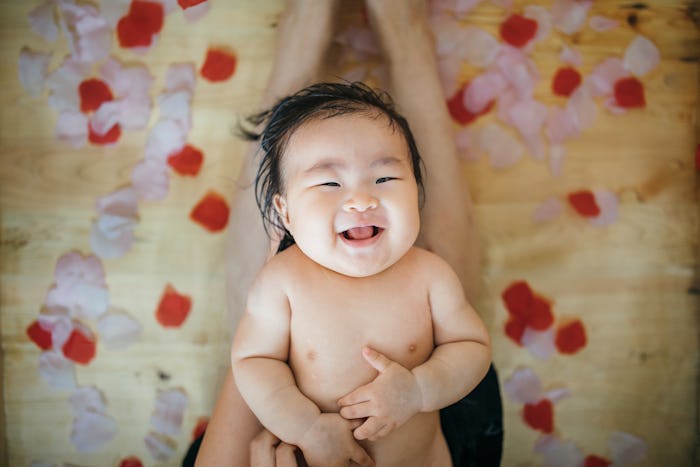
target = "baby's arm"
x: 258, y: 358
x: 458, y: 363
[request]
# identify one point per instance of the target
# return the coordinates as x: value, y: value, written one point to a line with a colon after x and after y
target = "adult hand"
x: 266, y: 450
x: 329, y: 443
x: 386, y: 402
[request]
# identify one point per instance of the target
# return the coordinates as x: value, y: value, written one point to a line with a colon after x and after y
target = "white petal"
x: 582, y: 106
x: 482, y: 90
x: 569, y: 16
x: 118, y: 330
x: 121, y: 202
x: 477, y: 46
x: 57, y: 371
x: 87, y: 398
x: 557, y: 153
x: 33, y: 68
x: 601, y: 81
x: 131, y: 80
x: 539, y: 343
x: 160, y: 447
x: 520, y: 71
x: 114, y: 10
x: 602, y: 23
x: 561, y: 125
x: 165, y: 138
x: 72, y: 128
x: 42, y: 20
x: 74, y: 266
x: 180, y: 77
x: 626, y: 448
x: 169, y: 411
x: 106, y: 117
x: 570, y: 55
x: 543, y: 17
x: 523, y: 386
x: 548, y: 210
x: 641, y: 56
x: 467, y: 140
x: 608, y: 203
x: 63, y: 83
x: 503, y: 149
x: 58, y: 322
x: 176, y: 106
x: 150, y: 180
x: 111, y: 243
x: 89, y: 36
x: 557, y: 394
x: 558, y: 453
x: 92, y: 431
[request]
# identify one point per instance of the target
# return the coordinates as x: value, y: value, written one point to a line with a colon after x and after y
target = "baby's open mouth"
x: 362, y: 233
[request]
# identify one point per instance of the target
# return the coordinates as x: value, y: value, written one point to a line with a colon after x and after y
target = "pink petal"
x: 558, y: 453
x: 477, y: 46
x: 180, y: 77
x: 627, y: 449
x: 561, y: 125
x: 548, y: 210
x: 114, y: 10
x: 197, y: 12
x: 468, y: 145
x: 557, y: 394
x: 150, y: 179
x: 133, y: 80
x: 106, y: 117
x: 122, y: 202
x: 539, y: 343
x: 42, y: 20
x: 33, y: 68
x: 544, y: 21
x: 569, y: 16
x: 92, y: 431
x: 112, y: 236
x: 583, y: 108
x: 503, y: 149
x: 57, y: 371
x: 601, y: 80
x: 523, y: 386
x: 528, y: 116
x: 557, y: 153
x: 570, y: 55
x: 160, y: 447
x: 608, y: 204
x: 169, y: 411
x: 165, y: 138
x: 602, y: 23
x: 641, y: 56
x: 58, y: 322
x: 518, y: 70
x: 135, y: 112
x: 482, y: 90
x: 75, y: 267
x: 118, y: 330
x: 72, y: 128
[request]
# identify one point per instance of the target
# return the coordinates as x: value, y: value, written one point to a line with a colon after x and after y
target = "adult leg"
x: 304, y: 34
x: 472, y: 426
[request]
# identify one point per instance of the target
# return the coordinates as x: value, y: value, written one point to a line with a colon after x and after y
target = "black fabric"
x: 473, y: 427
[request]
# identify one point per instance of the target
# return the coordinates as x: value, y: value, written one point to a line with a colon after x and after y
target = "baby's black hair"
x: 318, y: 101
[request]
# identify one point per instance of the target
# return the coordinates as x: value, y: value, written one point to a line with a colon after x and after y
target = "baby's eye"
x: 384, y: 179
x: 333, y: 184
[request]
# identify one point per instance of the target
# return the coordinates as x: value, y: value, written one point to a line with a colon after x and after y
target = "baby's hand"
x: 329, y: 443
x: 387, y: 402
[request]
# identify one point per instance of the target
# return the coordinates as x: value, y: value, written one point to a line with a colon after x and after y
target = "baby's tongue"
x: 360, y: 233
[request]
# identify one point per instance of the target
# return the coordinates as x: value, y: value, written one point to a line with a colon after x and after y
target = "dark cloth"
x: 473, y: 427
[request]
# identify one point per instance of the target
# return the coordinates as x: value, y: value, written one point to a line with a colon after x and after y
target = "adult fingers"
x: 262, y: 449
x: 361, y: 457
x: 285, y: 456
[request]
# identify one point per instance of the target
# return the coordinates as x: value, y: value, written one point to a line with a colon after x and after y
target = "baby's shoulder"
x: 425, y: 260
x: 284, y: 266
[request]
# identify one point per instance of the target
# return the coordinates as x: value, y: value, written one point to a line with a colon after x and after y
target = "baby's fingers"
x: 357, y: 396
x: 368, y: 429
x: 361, y: 410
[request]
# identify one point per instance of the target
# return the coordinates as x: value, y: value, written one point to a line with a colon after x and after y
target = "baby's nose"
x: 360, y: 202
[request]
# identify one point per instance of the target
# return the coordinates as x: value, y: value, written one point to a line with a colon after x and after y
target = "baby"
x: 351, y: 332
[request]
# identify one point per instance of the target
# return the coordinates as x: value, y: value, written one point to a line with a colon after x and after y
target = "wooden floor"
x: 634, y: 284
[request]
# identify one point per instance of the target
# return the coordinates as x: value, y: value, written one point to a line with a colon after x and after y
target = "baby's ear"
x: 280, y: 204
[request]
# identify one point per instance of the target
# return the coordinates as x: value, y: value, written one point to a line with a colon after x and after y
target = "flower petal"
x: 33, y: 70
x: 169, y: 411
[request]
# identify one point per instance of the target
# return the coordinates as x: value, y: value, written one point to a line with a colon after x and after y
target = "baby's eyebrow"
x: 326, y: 164
x: 388, y: 160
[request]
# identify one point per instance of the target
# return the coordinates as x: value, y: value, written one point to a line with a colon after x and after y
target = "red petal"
x: 570, y: 337
x: 93, y: 92
x: 173, y: 308
x: 565, y: 81
x: 540, y: 416
x: 697, y: 157
x: 518, y: 30
x: 459, y: 112
x: 518, y: 298
x: 137, y: 28
x: 515, y: 328
x: 629, y: 93
x: 211, y: 212
x: 541, y: 316
x: 584, y: 203
x: 131, y: 461
x: 219, y: 65
x: 595, y: 461
x: 40, y: 336
x: 184, y: 4
x: 188, y: 161
x: 112, y: 136
x: 79, y: 347
x: 200, y: 427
